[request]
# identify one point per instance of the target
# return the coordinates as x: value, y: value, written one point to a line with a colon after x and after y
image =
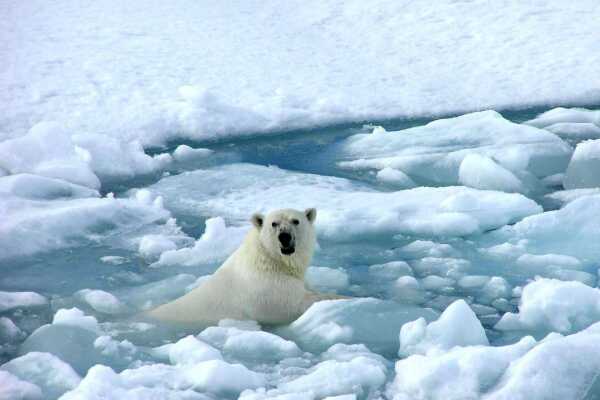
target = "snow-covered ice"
x: 456, y: 187
x: 481, y: 150
x: 204, y: 74
x: 584, y: 165
x: 424, y: 210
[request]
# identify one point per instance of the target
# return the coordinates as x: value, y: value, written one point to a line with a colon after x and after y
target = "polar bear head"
x: 287, y: 233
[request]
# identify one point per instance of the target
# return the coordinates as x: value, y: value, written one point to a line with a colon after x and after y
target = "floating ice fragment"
x: 457, y: 326
x: 584, y: 166
x: 372, y: 322
x: 12, y: 300
x: 548, y: 305
x: 52, y: 375
x: 323, y: 279
x: 423, y: 211
x: 75, y: 317
x: 101, y: 301
x: 13, y: 388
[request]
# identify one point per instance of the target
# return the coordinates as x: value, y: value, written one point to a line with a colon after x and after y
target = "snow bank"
x: 154, y: 85
x: 457, y: 326
x: 422, y: 211
x: 481, y: 149
x: 584, y: 166
x: 550, y: 305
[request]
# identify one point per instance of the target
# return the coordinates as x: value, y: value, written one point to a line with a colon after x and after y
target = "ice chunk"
x: 575, y: 132
x: 190, y: 350
x: 360, y: 375
x: 560, y: 368
x: 185, y: 153
x: 323, y: 279
x: 396, y: 178
x: 570, y: 229
x: 258, y: 346
x: 33, y: 187
x: 563, y: 197
x: 13, y: 388
x: 9, y: 332
x: 372, y: 322
x: 482, y: 172
x: 460, y: 373
x: 101, y: 301
x: 551, y: 305
x: 114, y: 159
x: 72, y: 344
x: 216, y: 244
x: 423, y: 210
x: 584, y: 166
x: 68, y: 222
x: 470, y: 282
x: 152, y: 246
x: 52, y: 375
x: 565, y: 115
x: 495, y: 288
x: 75, y: 317
x: 544, y: 260
x: 47, y: 150
x: 391, y: 270
x: 443, y: 266
x: 427, y: 248
x: 433, y: 153
x: 434, y: 282
x: 12, y: 300
x: 457, y: 326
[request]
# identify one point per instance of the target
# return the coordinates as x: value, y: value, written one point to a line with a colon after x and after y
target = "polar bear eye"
x: 295, y: 222
x: 275, y: 224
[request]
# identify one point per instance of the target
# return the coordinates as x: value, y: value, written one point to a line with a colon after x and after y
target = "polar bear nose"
x: 285, y: 239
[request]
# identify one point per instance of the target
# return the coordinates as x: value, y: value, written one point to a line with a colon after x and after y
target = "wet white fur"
x: 257, y: 282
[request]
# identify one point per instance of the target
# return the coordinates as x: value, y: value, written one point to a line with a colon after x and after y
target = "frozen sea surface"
x: 464, y: 286
x: 137, y: 138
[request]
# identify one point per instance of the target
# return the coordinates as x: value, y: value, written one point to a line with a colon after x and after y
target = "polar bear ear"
x: 311, y: 214
x: 257, y: 220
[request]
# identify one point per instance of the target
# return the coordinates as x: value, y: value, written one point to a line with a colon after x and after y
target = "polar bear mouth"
x: 288, y: 250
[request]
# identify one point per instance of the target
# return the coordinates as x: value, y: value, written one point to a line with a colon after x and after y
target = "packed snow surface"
x: 466, y: 244
x: 203, y: 74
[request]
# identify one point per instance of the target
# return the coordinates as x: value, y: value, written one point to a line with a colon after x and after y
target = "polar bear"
x: 263, y: 280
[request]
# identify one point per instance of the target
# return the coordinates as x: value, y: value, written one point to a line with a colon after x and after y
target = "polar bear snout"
x: 287, y: 243
x: 285, y: 239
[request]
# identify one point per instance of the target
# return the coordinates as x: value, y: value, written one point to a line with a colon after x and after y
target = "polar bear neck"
x: 294, y: 265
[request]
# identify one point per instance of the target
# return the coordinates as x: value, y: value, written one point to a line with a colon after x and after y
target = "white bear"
x: 263, y: 280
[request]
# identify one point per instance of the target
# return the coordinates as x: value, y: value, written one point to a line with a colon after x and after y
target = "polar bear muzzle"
x: 286, y: 241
